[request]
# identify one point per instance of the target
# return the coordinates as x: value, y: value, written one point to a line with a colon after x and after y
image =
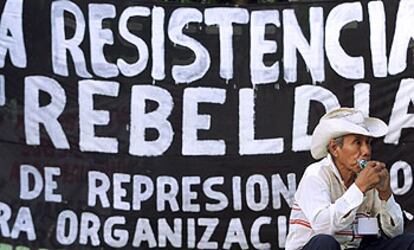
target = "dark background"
x: 274, y: 118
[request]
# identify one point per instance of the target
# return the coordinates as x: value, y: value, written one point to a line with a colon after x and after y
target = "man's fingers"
x: 379, y: 166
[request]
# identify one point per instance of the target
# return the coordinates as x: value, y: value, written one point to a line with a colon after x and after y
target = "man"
x: 340, y: 204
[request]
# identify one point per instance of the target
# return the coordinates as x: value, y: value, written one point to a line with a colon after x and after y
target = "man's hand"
x: 384, y: 188
x: 375, y: 175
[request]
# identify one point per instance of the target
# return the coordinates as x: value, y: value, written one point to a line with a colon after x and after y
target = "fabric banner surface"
x: 151, y: 125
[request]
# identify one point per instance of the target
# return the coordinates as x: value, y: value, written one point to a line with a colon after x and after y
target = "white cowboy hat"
x: 340, y: 122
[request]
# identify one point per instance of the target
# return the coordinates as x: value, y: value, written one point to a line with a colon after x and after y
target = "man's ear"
x: 333, y: 147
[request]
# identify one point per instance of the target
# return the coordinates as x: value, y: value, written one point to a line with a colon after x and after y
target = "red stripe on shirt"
x: 348, y: 233
x: 300, y: 222
x: 359, y: 215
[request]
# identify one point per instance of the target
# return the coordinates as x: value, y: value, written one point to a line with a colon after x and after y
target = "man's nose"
x: 366, y: 150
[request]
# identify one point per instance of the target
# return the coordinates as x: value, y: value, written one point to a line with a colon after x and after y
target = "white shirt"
x: 323, y: 205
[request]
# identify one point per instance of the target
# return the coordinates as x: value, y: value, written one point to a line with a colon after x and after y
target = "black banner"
x: 133, y: 124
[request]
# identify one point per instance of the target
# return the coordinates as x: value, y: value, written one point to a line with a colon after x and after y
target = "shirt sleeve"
x: 391, y: 217
x: 324, y: 216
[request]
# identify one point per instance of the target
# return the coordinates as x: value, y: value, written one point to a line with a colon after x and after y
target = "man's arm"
x: 325, y: 217
x: 391, y: 216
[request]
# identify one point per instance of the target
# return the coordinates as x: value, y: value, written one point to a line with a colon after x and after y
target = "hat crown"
x: 347, y: 114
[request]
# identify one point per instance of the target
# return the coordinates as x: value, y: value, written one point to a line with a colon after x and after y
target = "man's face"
x: 354, y: 147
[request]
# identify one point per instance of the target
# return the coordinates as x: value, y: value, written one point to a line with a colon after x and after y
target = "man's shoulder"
x: 318, y: 168
x: 316, y: 178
